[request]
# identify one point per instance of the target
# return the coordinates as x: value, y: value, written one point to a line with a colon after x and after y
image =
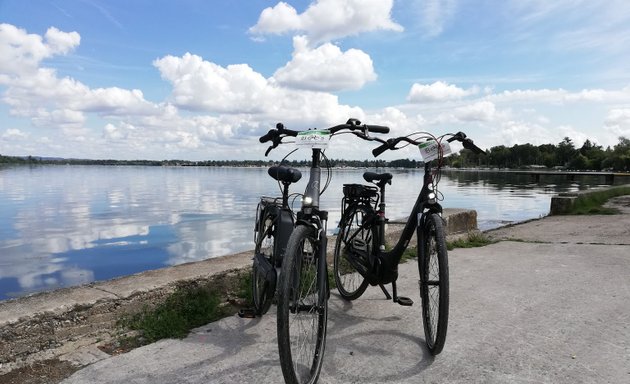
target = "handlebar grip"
x: 469, y: 144
x: 478, y: 150
x: 459, y: 136
x: 377, y: 128
x: 380, y: 149
x: 268, y: 136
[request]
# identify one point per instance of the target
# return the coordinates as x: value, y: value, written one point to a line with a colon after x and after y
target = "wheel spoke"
x: 301, y: 316
x: 351, y: 284
x: 433, y: 264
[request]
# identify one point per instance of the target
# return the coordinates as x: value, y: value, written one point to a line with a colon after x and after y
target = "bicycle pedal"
x: 404, y: 301
x: 248, y: 313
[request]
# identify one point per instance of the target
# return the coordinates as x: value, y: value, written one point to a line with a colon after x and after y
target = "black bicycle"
x: 360, y: 245
x: 273, y: 226
x: 303, y: 290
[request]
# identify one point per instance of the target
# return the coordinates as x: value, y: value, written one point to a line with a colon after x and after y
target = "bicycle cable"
x: 328, y: 173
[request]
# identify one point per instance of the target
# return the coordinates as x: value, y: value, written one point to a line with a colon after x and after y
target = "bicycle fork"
x: 321, y: 280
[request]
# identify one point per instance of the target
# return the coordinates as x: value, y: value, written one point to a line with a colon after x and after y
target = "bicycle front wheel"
x: 350, y: 283
x: 262, y: 289
x: 302, y: 308
x: 433, y: 267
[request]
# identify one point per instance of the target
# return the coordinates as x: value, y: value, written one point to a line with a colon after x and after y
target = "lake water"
x: 63, y: 226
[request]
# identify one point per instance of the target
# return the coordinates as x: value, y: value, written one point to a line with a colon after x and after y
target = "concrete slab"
x: 591, y: 229
x: 521, y: 312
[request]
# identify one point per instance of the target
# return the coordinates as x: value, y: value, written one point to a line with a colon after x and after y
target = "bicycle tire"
x: 434, y: 290
x: 302, y: 317
x: 262, y: 292
x: 350, y: 284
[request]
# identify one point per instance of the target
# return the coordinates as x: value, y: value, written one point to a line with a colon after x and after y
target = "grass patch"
x: 472, y: 240
x: 191, y: 305
x: 409, y: 253
x: 245, y: 288
x: 184, y: 310
x: 591, y: 203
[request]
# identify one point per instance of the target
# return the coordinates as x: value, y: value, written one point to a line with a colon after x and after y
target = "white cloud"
x: 117, y: 132
x: 21, y: 52
x: 61, y: 42
x: 618, y: 122
x: 325, y: 20
x: 203, y: 85
x: 479, y: 111
x: 435, y: 14
x: 325, y: 68
x: 520, y: 132
x: 556, y: 96
x: 237, y: 89
x: 14, y: 134
x: 58, y: 118
x: 438, y: 91
x: 513, y: 132
x: 218, y: 111
x: 394, y: 118
x: 277, y: 20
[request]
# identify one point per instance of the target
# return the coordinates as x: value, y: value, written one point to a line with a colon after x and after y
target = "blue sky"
x: 203, y: 79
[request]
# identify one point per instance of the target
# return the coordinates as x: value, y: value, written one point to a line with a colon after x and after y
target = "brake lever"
x: 353, y: 122
x: 275, y: 142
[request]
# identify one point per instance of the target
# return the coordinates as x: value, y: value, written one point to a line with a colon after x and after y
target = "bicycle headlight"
x: 431, y: 197
x: 307, y: 200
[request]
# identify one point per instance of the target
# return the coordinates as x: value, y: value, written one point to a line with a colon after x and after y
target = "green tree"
x: 566, y: 151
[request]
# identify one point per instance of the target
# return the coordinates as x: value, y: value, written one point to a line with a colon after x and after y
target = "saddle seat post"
x: 285, y: 194
x: 381, y: 212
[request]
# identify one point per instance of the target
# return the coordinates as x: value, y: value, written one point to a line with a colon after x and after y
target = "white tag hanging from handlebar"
x: 314, y: 139
x: 429, y: 149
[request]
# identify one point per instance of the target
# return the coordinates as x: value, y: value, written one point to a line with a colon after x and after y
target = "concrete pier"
x: 548, y: 303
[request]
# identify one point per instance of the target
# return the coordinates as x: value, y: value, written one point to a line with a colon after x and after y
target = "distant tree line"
x: 563, y: 155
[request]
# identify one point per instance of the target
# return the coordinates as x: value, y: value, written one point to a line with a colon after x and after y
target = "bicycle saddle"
x: 285, y: 174
x: 371, y: 177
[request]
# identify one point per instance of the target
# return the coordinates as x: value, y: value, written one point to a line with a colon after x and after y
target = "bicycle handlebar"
x: 459, y: 136
x: 377, y: 128
x: 276, y: 135
x: 381, y: 148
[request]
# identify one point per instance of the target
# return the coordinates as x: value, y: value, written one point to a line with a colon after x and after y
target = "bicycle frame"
x: 283, y: 220
x: 311, y: 215
x: 423, y: 202
x: 387, y: 261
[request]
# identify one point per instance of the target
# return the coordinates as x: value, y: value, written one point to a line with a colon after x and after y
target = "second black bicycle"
x: 361, y: 258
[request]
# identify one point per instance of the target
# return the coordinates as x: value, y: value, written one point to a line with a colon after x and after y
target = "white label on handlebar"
x: 313, y: 139
x: 429, y: 150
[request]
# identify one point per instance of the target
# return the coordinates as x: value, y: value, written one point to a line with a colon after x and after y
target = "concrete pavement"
x: 549, y: 303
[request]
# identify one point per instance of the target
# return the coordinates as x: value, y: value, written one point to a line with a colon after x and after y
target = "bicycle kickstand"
x: 404, y: 301
x: 387, y: 295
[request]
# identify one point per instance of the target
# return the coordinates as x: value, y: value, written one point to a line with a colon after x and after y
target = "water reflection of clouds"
x: 67, y: 211
x: 201, y: 239
x: 71, y: 225
x: 54, y: 219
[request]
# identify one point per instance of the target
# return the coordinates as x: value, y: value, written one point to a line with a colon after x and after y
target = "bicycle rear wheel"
x: 350, y: 283
x: 302, y: 308
x: 433, y: 267
x: 262, y: 289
